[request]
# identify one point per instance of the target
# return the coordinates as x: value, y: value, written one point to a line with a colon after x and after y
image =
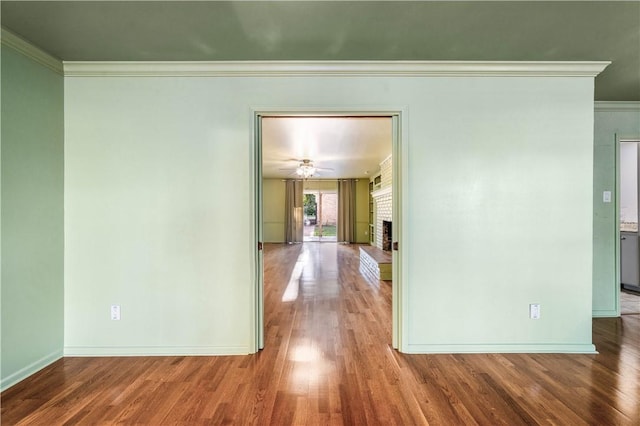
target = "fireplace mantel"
x: 381, y: 192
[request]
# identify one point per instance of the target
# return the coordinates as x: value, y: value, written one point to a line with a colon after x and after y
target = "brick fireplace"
x: 383, y: 203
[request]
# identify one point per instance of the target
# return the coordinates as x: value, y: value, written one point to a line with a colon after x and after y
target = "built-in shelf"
x: 377, y: 182
x: 372, y: 229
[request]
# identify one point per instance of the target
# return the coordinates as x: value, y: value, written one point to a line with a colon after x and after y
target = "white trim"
x: 257, y: 230
x: 30, y: 369
x: 334, y: 68
x: 616, y: 106
x: 399, y: 305
x: 605, y: 313
x: 383, y: 191
x: 399, y: 299
x: 608, y: 313
x: 21, y: 45
x: 616, y: 234
x: 154, y: 350
x: 502, y: 348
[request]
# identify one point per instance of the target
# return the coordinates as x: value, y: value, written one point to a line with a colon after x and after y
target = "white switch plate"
x: 115, y: 312
x: 606, y: 197
x: 534, y: 311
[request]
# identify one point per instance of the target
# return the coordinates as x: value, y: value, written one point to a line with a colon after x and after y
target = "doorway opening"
x: 628, y: 215
x: 329, y: 152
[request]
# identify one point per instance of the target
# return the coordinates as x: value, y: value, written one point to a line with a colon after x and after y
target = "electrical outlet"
x: 115, y: 312
x: 534, y: 311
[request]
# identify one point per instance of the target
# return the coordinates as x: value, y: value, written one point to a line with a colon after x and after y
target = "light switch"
x: 606, y: 197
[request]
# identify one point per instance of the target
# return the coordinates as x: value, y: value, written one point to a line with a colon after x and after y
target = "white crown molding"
x: 20, y: 45
x: 333, y: 68
x: 616, y: 106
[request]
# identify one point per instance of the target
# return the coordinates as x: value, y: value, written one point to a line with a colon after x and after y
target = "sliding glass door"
x: 320, y: 210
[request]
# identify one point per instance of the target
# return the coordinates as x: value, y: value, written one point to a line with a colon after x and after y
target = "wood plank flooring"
x: 328, y: 361
x: 629, y: 303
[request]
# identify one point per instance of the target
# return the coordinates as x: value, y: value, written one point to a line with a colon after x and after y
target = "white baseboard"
x: 605, y: 313
x: 30, y: 369
x: 617, y: 106
x: 155, y: 350
x: 501, y: 348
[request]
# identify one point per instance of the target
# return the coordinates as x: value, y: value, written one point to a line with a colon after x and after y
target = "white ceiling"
x: 353, y: 147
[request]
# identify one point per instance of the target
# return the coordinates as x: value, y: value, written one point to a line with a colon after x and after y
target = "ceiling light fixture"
x: 305, y: 169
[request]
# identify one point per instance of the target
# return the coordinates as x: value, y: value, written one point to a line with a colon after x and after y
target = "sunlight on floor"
x: 310, y: 367
x: 304, y: 353
x: 291, y: 292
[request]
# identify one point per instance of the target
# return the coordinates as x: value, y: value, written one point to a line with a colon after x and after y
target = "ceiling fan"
x: 306, y: 169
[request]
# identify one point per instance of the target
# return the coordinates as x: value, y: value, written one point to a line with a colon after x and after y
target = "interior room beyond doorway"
x: 319, y: 175
x: 305, y: 159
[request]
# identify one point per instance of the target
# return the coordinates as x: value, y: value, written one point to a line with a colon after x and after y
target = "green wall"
x: 496, y: 212
x: 611, y: 119
x: 273, y: 193
x: 32, y: 216
x: 151, y: 201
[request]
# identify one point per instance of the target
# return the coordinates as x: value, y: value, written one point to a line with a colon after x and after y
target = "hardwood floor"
x: 629, y: 303
x: 328, y: 360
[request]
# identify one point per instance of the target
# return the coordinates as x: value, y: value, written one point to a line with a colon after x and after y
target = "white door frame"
x: 618, y: 279
x: 400, y: 158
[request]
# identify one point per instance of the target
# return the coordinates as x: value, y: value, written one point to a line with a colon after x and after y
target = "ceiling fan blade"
x: 292, y: 172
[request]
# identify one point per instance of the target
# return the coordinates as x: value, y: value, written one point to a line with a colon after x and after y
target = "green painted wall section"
x: 32, y: 216
x: 273, y: 195
x: 609, y: 122
x: 496, y: 196
x: 273, y: 192
x: 500, y: 216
